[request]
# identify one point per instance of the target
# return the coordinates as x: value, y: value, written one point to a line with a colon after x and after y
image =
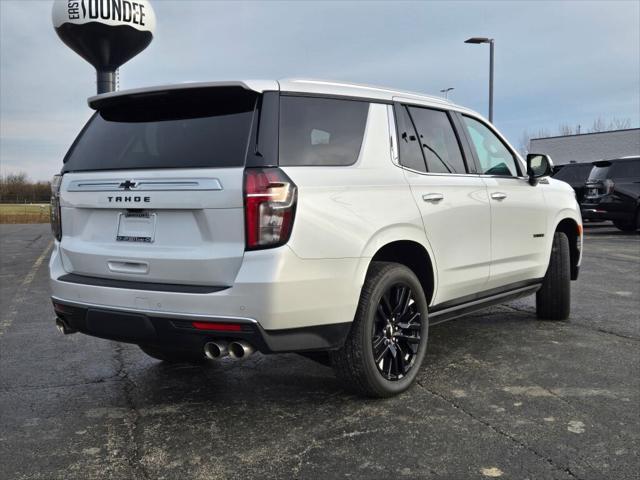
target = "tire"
x: 553, y: 300
x: 170, y: 355
x: 630, y: 226
x: 401, y: 337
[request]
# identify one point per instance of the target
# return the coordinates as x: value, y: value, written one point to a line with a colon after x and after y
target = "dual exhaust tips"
x: 219, y: 348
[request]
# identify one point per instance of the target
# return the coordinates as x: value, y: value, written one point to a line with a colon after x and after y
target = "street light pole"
x: 491, y: 42
x: 446, y: 92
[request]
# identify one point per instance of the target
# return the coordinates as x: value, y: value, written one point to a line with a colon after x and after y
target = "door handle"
x: 432, y: 197
x: 498, y: 196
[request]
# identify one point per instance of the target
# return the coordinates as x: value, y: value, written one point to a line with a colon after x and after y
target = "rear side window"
x: 321, y: 131
x: 410, y: 151
x: 574, y: 173
x: 439, y: 142
x: 176, y: 129
x: 625, y: 169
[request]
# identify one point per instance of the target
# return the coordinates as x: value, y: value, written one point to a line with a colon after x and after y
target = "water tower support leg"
x: 106, y: 81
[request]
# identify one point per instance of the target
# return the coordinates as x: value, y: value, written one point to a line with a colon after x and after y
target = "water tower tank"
x: 106, y: 33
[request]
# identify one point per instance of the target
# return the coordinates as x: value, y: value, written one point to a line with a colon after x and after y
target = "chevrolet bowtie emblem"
x: 128, y: 185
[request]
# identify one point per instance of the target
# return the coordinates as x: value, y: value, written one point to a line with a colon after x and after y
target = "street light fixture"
x: 446, y: 92
x: 491, y: 43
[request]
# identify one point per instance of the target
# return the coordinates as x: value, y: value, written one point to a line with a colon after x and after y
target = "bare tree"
x: 619, y: 123
x: 565, y: 129
x: 598, y: 126
x: 17, y: 188
x: 523, y: 143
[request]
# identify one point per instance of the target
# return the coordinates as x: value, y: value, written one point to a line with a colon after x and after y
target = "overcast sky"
x: 570, y: 61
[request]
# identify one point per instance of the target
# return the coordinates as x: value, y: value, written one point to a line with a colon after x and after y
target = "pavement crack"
x: 574, y: 324
x: 134, y: 459
x: 500, y: 432
x: 63, y: 385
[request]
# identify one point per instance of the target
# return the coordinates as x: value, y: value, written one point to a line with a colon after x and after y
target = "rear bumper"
x: 285, y: 299
x: 600, y: 212
x: 177, y: 331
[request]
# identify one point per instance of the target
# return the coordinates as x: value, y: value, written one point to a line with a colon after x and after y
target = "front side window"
x: 439, y: 143
x: 494, y: 157
x: 321, y: 131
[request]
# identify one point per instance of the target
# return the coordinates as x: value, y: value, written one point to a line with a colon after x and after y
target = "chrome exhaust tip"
x: 63, y: 328
x: 240, y: 349
x: 217, y: 349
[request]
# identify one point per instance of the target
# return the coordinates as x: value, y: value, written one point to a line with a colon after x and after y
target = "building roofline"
x: 583, y: 134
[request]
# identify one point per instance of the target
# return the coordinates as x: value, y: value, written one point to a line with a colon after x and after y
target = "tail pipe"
x: 63, y: 328
x: 240, y: 349
x: 216, y: 349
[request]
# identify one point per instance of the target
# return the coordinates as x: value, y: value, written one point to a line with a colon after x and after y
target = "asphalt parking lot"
x: 501, y: 395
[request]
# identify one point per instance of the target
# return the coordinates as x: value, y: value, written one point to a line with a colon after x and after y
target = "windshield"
x: 189, y: 128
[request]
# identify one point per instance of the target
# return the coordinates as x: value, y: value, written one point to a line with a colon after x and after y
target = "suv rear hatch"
x: 153, y: 187
x: 599, y: 182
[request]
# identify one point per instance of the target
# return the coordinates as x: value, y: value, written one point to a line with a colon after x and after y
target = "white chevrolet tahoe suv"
x: 333, y: 220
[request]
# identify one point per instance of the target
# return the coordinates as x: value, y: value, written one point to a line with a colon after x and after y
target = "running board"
x: 445, y: 314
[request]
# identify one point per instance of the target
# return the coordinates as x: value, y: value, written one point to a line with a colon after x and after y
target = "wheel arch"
x: 409, y: 247
x: 573, y: 230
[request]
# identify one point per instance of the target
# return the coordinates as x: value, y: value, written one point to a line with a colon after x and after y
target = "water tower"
x: 106, y: 33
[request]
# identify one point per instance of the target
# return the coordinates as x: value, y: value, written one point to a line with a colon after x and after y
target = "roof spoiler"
x: 602, y: 163
x: 100, y: 101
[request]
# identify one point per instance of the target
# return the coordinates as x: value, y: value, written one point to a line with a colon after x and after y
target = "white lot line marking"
x: 21, y: 294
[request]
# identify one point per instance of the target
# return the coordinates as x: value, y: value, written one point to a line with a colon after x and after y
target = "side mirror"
x: 538, y: 165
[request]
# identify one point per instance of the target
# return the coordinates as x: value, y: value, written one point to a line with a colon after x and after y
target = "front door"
x: 518, y: 210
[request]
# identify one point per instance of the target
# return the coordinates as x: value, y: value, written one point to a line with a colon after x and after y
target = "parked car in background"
x: 612, y: 192
x: 575, y: 174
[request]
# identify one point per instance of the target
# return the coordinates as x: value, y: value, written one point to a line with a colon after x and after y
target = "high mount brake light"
x: 55, y: 217
x: 269, y: 207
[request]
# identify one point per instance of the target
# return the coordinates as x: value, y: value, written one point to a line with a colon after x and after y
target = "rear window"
x: 321, y: 131
x: 574, y: 173
x: 599, y: 172
x: 191, y: 128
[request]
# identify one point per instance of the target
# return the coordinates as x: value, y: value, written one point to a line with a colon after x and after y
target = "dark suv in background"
x: 612, y: 192
x: 575, y: 174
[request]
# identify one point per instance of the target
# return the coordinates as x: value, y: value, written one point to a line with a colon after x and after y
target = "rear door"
x: 518, y: 209
x: 452, y: 200
x: 152, y: 188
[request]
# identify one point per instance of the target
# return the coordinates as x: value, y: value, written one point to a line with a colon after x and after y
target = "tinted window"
x: 495, y: 158
x: 439, y: 143
x: 321, y: 131
x: 626, y: 169
x: 410, y: 151
x: 574, y: 173
x: 179, y: 129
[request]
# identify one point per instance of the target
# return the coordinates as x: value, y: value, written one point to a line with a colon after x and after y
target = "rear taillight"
x: 269, y: 207
x: 56, y: 220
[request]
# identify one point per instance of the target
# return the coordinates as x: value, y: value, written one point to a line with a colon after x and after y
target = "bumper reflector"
x: 220, y: 327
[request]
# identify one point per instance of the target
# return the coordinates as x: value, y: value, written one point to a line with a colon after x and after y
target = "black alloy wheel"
x: 387, y: 343
x: 395, y: 336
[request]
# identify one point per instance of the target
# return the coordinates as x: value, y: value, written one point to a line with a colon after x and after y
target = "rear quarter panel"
x: 352, y: 211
